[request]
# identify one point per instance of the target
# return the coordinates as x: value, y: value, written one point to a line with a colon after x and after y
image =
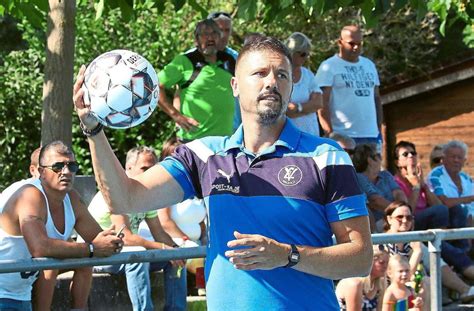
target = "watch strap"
x: 91, y: 250
x: 293, y: 256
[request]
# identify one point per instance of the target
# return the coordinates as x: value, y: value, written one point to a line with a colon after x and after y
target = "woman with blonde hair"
x: 365, y: 293
x: 306, y: 98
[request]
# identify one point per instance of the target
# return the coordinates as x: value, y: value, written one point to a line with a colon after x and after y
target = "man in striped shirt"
x: 275, y: 196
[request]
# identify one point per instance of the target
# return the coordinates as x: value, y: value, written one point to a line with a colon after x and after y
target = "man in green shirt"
x: 203, y: 77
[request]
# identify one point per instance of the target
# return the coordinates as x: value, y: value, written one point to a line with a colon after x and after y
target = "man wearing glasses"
x: 37, y: 221
x: 203, y: 76
x: 350, y: 84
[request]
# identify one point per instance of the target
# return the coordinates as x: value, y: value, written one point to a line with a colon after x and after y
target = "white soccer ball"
x: 121, y: 88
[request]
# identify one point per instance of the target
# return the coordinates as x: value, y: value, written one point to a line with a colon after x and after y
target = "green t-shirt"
x: 99, y: 210
x: 208, y: 99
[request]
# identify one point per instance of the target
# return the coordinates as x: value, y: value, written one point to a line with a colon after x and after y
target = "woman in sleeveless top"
x: 365, y: 293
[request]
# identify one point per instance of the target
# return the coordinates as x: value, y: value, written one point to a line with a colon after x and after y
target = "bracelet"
x: 93, y: 132
x: 299, y: 107
x: 91, y: 250
x: 416, y: 188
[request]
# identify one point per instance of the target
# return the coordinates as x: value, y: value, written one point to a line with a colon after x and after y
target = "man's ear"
x: 235, y: 86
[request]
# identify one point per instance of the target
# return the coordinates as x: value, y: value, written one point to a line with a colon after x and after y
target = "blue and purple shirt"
x: 290, y: 192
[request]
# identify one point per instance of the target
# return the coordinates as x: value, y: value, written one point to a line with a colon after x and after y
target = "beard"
x: 269, y: 112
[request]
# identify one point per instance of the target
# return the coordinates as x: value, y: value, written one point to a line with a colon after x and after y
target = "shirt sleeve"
x: 324, y: 75
x: 314, y: 87
x: 151, y: 214
x: 434, y: 181
x: 183, y: 166
x: 174, y: 73
x: 343, y: 197
x: 367, y: 186
x: 390, y: 180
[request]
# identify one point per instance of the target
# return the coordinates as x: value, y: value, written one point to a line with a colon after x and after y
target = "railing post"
x: 434, y: 247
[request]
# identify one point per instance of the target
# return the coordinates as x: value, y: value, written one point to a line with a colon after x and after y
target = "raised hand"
x: 186, y: 123
x: 82, y: 109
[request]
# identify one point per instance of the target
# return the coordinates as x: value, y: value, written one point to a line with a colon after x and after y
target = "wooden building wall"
x: 432, y: 118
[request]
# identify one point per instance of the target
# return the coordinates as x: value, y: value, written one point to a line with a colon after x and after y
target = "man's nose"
x: 270, y: 80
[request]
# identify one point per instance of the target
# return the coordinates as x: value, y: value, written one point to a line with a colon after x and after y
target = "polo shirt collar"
x: 289, y: 138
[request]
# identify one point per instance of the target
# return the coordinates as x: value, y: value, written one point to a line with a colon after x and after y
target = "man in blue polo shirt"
x: 275, y: 196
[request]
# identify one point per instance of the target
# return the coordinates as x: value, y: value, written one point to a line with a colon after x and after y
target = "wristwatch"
x: 293, y: 256
x: 91, y: 250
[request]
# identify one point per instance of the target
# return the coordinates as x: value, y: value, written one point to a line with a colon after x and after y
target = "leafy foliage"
x: 158, y: 31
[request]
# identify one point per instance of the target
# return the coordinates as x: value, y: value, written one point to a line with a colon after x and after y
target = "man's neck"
x: 350, y: 60
x: 210, y: 58
x: 55, y: 197
x: 260, y: 136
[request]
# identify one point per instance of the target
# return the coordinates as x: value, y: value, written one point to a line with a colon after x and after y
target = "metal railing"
x: 433, y: 237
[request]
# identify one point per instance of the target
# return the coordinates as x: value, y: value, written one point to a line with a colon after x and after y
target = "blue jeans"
x: 176, y: 288
x: 433, y: 217
x: 7, y: 304
x: 455, y: 256
x: 139, y: 287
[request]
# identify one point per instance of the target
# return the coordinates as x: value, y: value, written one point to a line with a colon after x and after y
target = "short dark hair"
x: 361, y: 155
x: 216, y: 15
x: 206, y: 23
x: 402, y: 144
x: 58, y: 146
x: 265, y: 43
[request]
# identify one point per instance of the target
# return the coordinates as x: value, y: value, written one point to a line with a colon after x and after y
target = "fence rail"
x: 433, y: 237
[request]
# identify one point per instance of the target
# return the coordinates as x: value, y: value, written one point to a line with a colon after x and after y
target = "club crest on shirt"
x: 290, y: 175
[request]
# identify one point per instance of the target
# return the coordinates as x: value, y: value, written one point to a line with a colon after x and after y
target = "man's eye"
x: 283, y: 75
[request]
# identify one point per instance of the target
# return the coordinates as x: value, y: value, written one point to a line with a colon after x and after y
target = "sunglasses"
x: 218, y: 14
x: 406, y: 153
x: 401, y: 217
x: 59, y: 166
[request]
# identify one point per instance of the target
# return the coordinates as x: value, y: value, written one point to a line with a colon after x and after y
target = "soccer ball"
x: 121, y: 88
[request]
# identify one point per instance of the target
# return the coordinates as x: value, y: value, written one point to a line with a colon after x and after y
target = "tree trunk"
x: 56, y: 118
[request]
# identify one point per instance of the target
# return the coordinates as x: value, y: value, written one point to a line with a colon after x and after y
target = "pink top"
x: 422, y: 203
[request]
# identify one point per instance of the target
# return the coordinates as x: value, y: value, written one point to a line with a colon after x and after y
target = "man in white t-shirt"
x: 350, y: 84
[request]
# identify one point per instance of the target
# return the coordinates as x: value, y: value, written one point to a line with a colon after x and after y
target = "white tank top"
x: 18, y: 285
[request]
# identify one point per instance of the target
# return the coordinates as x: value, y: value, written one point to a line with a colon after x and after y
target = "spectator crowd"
x: 340, y: 101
